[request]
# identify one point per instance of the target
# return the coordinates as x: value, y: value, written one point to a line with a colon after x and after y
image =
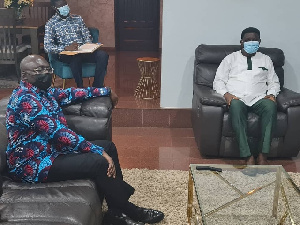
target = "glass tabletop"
x: 246, y: 195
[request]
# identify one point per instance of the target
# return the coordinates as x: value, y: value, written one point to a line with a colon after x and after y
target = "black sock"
x: 132, y: 211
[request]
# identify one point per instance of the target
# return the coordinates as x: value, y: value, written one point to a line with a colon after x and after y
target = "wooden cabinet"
x: 137, y: 25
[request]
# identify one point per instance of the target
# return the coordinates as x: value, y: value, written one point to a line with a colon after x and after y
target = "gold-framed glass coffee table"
x: 242, y: 195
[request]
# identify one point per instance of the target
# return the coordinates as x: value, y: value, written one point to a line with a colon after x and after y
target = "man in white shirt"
x: 248, y: 82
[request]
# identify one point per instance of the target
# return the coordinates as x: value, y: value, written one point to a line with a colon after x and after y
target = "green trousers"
x: 266, y: 110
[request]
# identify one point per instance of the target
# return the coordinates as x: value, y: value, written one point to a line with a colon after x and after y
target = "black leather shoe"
x: 149, y: 215
x: 111, y: 218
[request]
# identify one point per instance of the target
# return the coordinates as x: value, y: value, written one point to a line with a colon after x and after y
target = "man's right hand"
x: 72, y: 47
x: 228, y: 97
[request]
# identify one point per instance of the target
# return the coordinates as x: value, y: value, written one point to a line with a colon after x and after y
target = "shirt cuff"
x: 272, y: 93
x: 222, y: 92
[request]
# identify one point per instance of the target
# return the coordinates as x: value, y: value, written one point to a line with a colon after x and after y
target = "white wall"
x: 188, y: 23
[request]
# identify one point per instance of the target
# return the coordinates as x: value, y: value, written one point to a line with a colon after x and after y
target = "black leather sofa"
x: 210, y: 118
x: 67, y: 202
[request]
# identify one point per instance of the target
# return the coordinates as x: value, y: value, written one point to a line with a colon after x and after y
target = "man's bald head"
x: 36, y: 70
x: 31, y: 62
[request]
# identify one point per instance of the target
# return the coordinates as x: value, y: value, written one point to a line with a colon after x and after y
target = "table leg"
x: 276, y: 192
x: 34, y: 41
x: 190, y: 198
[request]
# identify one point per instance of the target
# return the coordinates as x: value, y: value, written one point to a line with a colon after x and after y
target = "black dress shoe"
x: 111, y: 218
x: 149, y: 215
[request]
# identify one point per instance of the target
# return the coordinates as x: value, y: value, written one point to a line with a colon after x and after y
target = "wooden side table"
x: 147, y: 87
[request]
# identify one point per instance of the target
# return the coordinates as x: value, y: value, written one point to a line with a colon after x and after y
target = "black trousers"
x: 93, y: 166
x: 75, y: 61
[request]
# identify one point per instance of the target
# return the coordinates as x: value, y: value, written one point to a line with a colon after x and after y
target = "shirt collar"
x: 57, y: 17
x: 27, y: 85
x: 246, y: 56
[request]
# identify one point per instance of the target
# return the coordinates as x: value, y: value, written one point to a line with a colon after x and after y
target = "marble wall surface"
x: 99, y: 14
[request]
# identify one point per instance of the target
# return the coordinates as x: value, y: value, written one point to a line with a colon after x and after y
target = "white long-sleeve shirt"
x: 250, y: 86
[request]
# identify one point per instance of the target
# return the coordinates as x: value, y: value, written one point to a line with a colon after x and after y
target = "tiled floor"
x: 170, y: 148
x: 157, y: 139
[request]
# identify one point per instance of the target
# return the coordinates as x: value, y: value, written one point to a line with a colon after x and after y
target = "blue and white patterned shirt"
x: 60, y: 33
x: 38, y: 131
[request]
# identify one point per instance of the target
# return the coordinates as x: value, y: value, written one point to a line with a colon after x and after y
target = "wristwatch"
x: 273, y: 95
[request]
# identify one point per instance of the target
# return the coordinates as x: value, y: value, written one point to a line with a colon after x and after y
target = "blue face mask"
x: 64, y: 10
x: 251, y: 46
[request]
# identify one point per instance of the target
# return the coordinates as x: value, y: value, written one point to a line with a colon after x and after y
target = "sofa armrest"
x: 91, y: 118
x: 3, y: 107
x: 287, y: 98
x: 100, y: 107
x: 208, y: 96
x: 1, y: 189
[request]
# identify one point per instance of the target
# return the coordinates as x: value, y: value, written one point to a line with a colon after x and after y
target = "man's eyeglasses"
x: 41, y: 70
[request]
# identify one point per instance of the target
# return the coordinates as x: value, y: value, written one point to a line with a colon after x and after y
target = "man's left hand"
x: 111, y: 170
x: 271, y: 97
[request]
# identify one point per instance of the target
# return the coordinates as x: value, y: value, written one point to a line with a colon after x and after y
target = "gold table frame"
x: 279, y: 188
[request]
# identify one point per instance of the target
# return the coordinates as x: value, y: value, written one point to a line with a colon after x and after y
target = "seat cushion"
x: 254, y: 125
x: 68, y: 202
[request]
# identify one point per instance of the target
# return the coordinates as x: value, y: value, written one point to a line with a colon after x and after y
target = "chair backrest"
x: 94, y: 33
x: 209, y: 57
x: 39, y: 11
x: 3, y: 134
x: 8, y: 52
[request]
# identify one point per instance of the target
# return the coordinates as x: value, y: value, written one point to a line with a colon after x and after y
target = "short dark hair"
x: 53, y: 2
x: 248, y: 30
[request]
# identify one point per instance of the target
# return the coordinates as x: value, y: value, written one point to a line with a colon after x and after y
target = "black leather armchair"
x: 67, y: 202
x: 210, y: 117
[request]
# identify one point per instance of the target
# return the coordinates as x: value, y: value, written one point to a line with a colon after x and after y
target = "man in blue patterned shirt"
x: 41, y: 147
x: 65, y: 31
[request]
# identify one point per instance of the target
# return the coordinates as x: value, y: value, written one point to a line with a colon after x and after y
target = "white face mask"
x: 64, y: 10
x: 251, y: 46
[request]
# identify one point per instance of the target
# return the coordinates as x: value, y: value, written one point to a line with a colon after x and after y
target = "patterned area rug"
x: 165, y: 190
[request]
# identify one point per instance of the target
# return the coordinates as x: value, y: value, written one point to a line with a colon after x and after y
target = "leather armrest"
x: 208, y: 96
x: 3, y: 107
x: 3, y: 146
x: 1, y: 189
x: 100, y: 107
x: 287, y: 98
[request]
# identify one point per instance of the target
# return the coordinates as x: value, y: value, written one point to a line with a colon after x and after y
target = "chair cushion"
x: 254, y: 125
x: 63, y: 70
x: 68, y: 202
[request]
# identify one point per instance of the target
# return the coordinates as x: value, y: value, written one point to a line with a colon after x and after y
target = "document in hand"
x: 86, y: 48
